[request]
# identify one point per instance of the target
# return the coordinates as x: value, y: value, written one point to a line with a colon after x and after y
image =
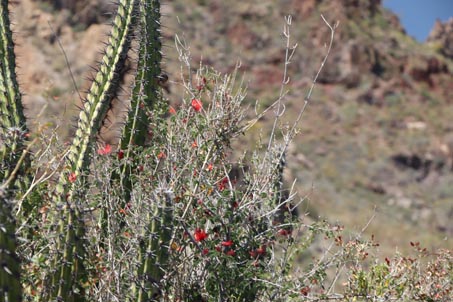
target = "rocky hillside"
x: 377, y: 138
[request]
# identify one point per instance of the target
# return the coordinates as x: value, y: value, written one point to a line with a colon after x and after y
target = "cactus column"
x: 67, y: 279
x: 146, y: 92
x: 10, y: 286
x: 13, y: 128
x: 12, y: 145
x: 154, y: 248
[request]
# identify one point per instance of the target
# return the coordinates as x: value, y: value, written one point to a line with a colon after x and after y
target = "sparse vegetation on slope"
x: 164, y: 215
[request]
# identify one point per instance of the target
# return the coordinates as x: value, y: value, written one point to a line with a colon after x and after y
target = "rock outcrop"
x: 441, y: 37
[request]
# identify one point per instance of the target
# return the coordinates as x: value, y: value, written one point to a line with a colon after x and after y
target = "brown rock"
x: 422, y: 69
x: 303, y: 8
x: 362, y: 8
x: 442, y: 36
x: 239, y: 34
x: 84, y: 12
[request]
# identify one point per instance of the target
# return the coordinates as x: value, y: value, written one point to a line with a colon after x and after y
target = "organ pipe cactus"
x: 13, y: 160
x: 10, y: 286
x: 68, y: 276
x: 146, y: 95
x: 64, y: 264
x: 13, y: 128
x: 100, y: 95
x: 65, y: 282
x: 146, y: 90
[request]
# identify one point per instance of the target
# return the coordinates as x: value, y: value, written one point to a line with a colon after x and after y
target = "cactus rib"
x: 13, y: 127
x: 154, y: 252
x: 67, y: 278
x: 103, y: 87
x: 10, y: 286
x: 146, y: 90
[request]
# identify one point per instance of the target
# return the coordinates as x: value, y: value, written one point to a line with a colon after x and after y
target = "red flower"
x: 223, y: 184
x: 161, y: 155
x: 261, y: 250
x: 72, y: 177
x: 172, y: 110
x: 305, y: 290
x: 231, y: 253
x: 106, y: 150
x: 227, y: 243
x: 120, y: 154
x: 258, y: 252
x: 202, y: 85
x: 200, y: 235
x: 125, y: 209
x: 197, y: 105
x: 284, y: 232
x: 209, y: 167
x: 205, y: 251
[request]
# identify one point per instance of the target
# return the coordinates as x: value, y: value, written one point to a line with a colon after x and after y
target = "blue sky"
x: 418, y: 16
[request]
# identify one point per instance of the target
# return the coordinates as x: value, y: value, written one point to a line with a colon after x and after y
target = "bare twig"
x: 66, y: 60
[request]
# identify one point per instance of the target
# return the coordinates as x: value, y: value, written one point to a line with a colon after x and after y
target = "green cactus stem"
x: 10, y: 286
x: 154, y: 251
x: 146, y: 93
x: 67, y: 281
x: 13, y: 128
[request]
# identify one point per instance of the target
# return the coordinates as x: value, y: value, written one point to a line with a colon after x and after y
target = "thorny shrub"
x: 229, y: 241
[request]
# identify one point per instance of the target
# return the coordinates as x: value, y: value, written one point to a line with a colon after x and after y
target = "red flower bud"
x: 72, y: 177
x: 197, y: 105
x: 120, y: 154
x: 231, y: 253
x: 106, y: 150
x: 200, y: 235
x: 227, y: 243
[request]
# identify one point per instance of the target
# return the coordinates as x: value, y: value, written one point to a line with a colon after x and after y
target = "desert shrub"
x: 165, y: 215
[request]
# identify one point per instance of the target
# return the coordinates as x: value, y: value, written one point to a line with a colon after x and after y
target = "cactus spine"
x: 68, y: 276
x: 101, y: 92
x: 13, y: 128
x: 154, y: 252
x: 154, y: 249
x: 12, y: 144
x: 10, y: 285
x: 146, y: 90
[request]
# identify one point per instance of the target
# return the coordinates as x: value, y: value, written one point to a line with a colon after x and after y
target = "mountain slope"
x: 377, y: 135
